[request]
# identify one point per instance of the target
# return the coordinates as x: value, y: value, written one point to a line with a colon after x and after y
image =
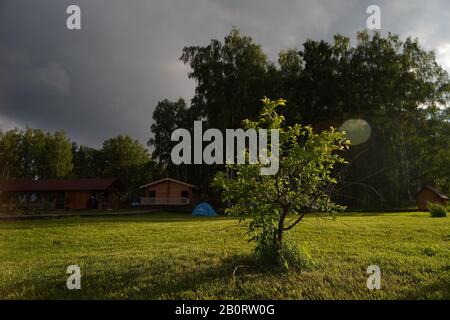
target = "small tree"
x: 304, y: 182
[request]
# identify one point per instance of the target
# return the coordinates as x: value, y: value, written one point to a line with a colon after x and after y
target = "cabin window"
x: 152, y: 194
x: 185, y: 194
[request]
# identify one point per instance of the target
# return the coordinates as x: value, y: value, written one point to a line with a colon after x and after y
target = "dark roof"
x: 437, y: 192
x: 168, y: 179
x: 58, y: 185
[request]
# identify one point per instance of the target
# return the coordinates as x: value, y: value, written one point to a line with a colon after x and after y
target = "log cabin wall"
x: 172, y: 190
x: 426, y: 196
x: 59, y: 194
x: 77, y: 199
x: 168, y: 189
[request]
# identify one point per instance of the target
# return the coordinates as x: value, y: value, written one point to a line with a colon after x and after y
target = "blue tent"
x: 204, y: 209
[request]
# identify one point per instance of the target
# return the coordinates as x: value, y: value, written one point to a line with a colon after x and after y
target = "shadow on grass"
x: 159, y: 280
x: 204, y: 282
x: 163, y: 279
x: 437, y: 290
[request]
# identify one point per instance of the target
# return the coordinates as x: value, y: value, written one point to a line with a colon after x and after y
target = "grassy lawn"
x: 176, y: 256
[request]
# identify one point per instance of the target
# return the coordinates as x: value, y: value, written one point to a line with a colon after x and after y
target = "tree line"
x: 35, y: 154
x: 396, y: 86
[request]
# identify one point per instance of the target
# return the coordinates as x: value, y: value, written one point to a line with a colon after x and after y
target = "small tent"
x: 204, y: 209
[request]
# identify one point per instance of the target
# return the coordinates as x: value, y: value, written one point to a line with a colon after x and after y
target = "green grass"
x: 176, y: 256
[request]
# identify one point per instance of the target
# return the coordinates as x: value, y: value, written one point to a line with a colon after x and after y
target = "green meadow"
x: 177, y: 256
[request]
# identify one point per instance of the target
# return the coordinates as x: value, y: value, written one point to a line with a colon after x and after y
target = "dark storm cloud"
x: 107, y: 78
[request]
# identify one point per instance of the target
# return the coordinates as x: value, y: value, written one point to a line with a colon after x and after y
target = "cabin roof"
x: 30, y: 185
x: 166, y: 180
x: 436, y: 192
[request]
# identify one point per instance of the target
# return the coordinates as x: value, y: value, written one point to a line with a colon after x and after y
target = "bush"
x: 437, y: 210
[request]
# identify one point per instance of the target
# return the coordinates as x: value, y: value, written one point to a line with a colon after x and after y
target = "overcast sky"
x: 107, y: 78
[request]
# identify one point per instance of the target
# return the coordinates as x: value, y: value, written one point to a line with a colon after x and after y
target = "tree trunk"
x: 279, y: 235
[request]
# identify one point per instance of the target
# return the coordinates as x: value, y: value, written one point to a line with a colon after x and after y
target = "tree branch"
x: 295, y: 223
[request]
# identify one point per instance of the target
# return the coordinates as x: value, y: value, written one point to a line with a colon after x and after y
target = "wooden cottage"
x: 59, y: 194
x: 430, y: 194
x: 169, y: 194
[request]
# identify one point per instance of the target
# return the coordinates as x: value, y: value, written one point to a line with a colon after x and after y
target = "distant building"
x: 169, y: 194
x: 430, y: 194
x: 59, y: 194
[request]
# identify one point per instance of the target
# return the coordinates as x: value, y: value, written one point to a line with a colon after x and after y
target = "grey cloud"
x: 23, y: 76
x: 107, y: 78
x: 8, y: 124
x: 54, y: 78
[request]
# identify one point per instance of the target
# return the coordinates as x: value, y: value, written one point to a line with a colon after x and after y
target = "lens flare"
x: 358, y: 131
